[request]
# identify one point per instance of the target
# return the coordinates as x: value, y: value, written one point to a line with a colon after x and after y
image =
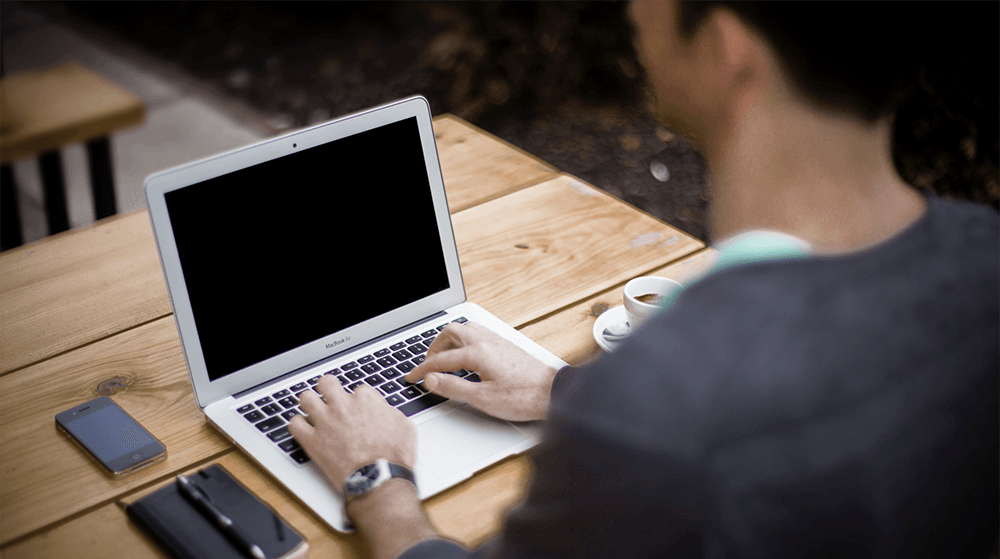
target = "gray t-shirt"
x: 824, y: 407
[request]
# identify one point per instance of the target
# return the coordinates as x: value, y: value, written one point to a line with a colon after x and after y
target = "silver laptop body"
x: 297, y: 256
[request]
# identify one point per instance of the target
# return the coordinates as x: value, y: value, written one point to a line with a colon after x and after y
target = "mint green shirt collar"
x: 759, y: 245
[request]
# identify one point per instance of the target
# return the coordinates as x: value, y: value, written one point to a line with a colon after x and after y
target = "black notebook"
x: 185, y: 532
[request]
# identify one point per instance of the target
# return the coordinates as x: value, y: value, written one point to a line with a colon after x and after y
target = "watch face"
x: 370, y: 472
x: 362, y: 480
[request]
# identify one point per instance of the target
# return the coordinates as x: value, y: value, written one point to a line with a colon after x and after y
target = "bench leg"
x: 55, y: 191
x: 10, y: 220
x: 102, y: 177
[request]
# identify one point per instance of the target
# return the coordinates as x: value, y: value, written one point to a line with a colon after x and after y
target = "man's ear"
x: 734, y: 49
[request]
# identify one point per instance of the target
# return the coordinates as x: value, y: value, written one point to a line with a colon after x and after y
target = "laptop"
x: 325, y: 251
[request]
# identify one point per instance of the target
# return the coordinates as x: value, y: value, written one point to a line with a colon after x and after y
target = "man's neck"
x: 826, y: 179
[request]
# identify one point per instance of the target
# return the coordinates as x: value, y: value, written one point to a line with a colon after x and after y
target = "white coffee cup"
x: 639, y: 311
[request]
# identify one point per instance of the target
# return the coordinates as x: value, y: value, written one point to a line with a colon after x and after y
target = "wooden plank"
x: 76, y: 287
x: 569, y: 333
x: 46, y: 479
x: 60, y: 106
x: 469, y: 513
x: 530, y: 252
x: 478, y: 166
x: 79, y: 286
x: 43, y: 475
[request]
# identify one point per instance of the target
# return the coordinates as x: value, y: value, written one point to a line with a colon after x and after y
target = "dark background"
x: 559, y: 79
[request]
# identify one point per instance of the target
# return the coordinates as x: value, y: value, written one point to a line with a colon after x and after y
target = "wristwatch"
x: 366, y: 478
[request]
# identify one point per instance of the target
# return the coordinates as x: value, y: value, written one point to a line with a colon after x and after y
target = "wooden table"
x: 87, y: 311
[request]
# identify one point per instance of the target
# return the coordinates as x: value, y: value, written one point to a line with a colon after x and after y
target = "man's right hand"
x: 514, y: 386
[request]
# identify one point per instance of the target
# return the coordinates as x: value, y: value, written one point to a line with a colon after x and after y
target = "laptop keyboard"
x: 382, y: 369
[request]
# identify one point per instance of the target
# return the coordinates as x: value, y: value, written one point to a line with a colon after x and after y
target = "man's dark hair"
x: 853, y: 57
x: 934, y: 65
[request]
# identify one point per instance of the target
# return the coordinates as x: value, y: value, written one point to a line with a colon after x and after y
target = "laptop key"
x: 398, y: 346
x: 370, y: 368
x: 442, y: 327
x: 342, y: 380
x: 289, y: 402
x: 429, y: 333
x: 262, y: 401
x: 366, y: 359
x: 253, y: 416
x: 245, y: 408
x: 382, y: 352
x: 270, y: 424
x: 414, y: 339
x: 410, y: 392
x: 280, y: 394
x: 386, y: 361
x: 420, y: 404
x: 419, y: 359
x: 473, y: 377
x: 355, y: 385
x: 300, y: 456
x: 394, y: 399
x: 314, y: 380
x: 374, y: 380
x: 289, y: 445
x: 461, y: 320
x: 389, y: 387
x: 288, y: 415
x: 271, y: 409
x: 389, y: 373
x: 402, y: 355
x: 405, y: 366
x: 459, y: 373
x: 279, y: 434
x: 299, y: 387
x: 355, y: 375
x: 416, y: 349
x: 348, y: 366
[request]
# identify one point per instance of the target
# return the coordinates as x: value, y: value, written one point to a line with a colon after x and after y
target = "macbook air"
x: 325, y: 251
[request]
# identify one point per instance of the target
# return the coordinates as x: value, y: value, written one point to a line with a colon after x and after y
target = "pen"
x: 228, y: 528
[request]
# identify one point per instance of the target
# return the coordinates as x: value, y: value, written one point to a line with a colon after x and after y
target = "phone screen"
x: 110, y: 434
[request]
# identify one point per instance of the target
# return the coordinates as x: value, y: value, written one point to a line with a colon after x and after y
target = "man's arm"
x: 339, y: 440
x: 391, y: 519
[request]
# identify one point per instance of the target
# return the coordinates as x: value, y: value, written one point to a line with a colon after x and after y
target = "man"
x: 841, y: 404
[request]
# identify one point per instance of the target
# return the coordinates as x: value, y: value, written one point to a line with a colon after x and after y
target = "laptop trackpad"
x: 461, y: 438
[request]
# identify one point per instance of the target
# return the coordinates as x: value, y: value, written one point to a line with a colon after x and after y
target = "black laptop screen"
x: 288, y: 251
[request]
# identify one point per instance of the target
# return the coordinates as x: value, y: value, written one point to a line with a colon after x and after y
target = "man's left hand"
x: 347, y: 431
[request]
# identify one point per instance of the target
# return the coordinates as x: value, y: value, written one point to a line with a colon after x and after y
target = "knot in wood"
x: 112, y: 386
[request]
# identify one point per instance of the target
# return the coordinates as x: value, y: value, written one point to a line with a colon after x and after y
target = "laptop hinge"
x: 339, y: 354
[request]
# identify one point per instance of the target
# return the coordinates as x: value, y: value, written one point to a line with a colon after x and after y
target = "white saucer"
x: 611, y: 317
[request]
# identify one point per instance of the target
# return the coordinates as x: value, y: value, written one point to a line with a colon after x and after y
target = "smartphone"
x: 111, y: 436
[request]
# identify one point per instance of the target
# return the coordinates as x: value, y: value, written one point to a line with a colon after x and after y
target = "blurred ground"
x: 557, y: 79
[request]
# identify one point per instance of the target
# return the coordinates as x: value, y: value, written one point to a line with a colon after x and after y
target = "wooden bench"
x: 44, y: 111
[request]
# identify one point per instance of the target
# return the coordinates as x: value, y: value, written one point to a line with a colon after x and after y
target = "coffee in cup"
x: 644, y: 297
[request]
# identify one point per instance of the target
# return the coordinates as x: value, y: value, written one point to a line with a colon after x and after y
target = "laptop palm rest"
x: 463, y: 440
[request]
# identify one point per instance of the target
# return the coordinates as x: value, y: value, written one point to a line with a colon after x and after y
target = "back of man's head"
x: 855, y: 57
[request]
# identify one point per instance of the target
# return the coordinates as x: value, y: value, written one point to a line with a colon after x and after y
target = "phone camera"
x: 295, y: 145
